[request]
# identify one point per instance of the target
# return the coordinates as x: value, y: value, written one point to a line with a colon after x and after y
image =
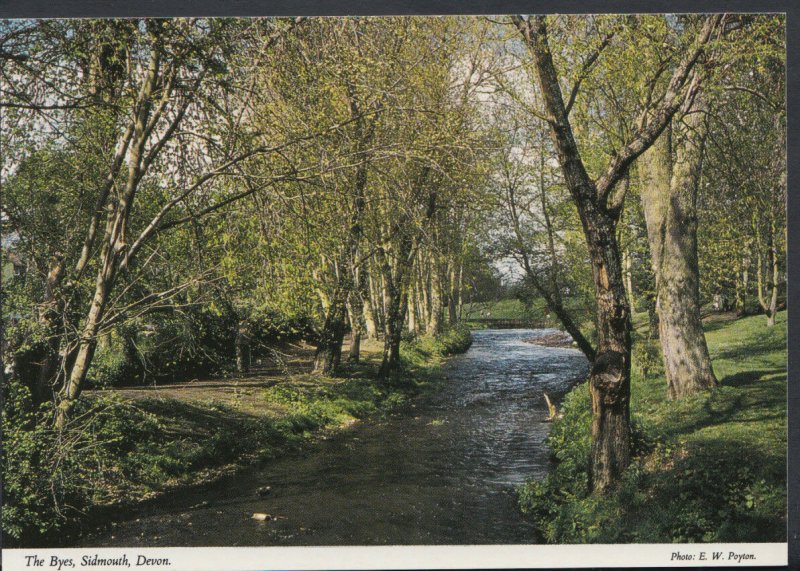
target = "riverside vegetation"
x: 121, y: 449
x: 711, y: 468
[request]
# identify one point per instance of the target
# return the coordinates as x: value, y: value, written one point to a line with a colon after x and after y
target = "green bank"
x: 121, y: 449
x: 709, y: 468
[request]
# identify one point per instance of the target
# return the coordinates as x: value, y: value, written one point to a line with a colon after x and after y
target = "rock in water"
x: 261, y: 517
x: 557, y: 339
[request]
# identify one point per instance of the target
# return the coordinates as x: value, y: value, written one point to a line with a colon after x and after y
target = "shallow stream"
x: 442, y: 471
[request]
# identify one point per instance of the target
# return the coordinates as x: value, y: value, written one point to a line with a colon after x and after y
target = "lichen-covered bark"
x: 669, y: 196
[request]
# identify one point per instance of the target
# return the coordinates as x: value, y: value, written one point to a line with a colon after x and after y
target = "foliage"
x: 117, y: 451
x: 179, y: 345
x: 52, y: 477
x: 171, y: 186
x: 452, y: 341
x: 709, y: 468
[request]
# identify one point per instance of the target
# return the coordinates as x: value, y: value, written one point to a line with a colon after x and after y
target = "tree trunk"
x: 609, y: 378
x: 424, y: 288
x: 770, y: 306
x: 354, y: 355
x: 88, y: 340
x: 394, y: 329
x: 669, y: 196
x: 111, y: 254
x: 44, y: 382
x: 369, y: 319
x: 434, y: 326
x: 242, y: 348
x: 460, y: 290
x: 385, y: 301
x: 329, y: 350
x: 740, y: 301
x: 743, y: 278
x: 411, y: 313
x: 395, y: 318
x: 599, y: 205
x: 452, y: 296
x: 628, y: 269
x: 114, y: 250
x: 773, y: 304
x: 396, y: 273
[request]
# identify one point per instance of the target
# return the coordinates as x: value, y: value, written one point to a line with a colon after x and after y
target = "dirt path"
x: 290, y: 361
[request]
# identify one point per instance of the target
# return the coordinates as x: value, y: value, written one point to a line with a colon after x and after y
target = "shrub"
x: 49, y: 476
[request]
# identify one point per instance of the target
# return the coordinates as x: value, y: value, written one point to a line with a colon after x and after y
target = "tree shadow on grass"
x: 746, y: 378
x: 716, y: 491
x: 764, y: 345
x: 716, y: 324
x: 755, y: 399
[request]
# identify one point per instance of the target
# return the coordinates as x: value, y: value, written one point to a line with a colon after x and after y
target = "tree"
x: 599, y: 203
x: 743, y: 233
x: 669, y: 196
x: 147, y: 89
x: 527, y: 191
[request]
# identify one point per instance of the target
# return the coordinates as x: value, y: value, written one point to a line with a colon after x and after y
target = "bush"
x: 455, y: 340
x: 195, y: 342
x: 452, y: 341
x: 270, y: 326
x: 49, y: 476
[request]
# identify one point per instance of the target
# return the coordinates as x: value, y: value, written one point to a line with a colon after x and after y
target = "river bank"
x: 149, y: 441
x: 709, y: 468
x: 441, y: 470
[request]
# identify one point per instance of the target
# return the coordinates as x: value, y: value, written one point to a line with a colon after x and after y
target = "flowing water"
x: 443, y: 471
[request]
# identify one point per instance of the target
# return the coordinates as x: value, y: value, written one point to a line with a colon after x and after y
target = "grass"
x: 711, y: 467
x: 536, y: 314
x: 500, y: 309
x: 130, y: 448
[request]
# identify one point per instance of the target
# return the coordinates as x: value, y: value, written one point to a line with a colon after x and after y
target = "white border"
x: 404, y: 557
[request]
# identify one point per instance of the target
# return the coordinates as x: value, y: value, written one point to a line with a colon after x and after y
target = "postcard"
x: 412, y: 291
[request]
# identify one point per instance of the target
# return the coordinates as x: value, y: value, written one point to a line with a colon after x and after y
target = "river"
x: 442, y: 471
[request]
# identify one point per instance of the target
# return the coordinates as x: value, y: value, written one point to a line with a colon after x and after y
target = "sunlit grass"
x: 711, y: 467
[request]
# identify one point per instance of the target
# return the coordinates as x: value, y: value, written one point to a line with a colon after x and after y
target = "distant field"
x: 501, y: 309
x: 477, y: 314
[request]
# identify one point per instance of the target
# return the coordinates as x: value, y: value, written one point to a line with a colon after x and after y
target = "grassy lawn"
x: 708, y: 468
